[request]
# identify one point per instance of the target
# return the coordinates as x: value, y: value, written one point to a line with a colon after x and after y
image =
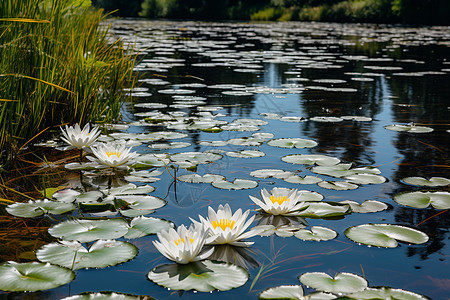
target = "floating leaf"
x: 246, y: 154
x: 195, y: 178
x: 337, y: 185
x: 386, y: 293
x: 324, y: 210
x: 317, y: 233
x: 36, y: 208
x: 368, y: 206
x: 237, y: 184
x: 19, y: 277
x: 365, y: 179
x: 310, y: 159
x: 303, y: 180
x: 409, y: 128
x: 89, y: 230
x: 439, y: 200
x: 195, y: 157
x: 384, y: 235
x: 433, y: 181
x: 142, y: 226
x: 342, y: 170
x: 357, y: 118
x: 268, y: 173
x: 104, y: 296
x: 283, y: 292
x: 74, y: 256
x: 203, y: 276
x: 326, y: 119
x: 292, y: 142
x: 341, y: 283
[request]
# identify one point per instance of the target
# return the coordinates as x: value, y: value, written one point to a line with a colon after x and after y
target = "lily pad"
x: 343, y: 170
x: 324, y: 210
x: 365, y: 179
x: 432, y: 182
x: 317, y: 233
x: 237, y: 184
x: 283, y: 292
x: 269, y: 173
x: 37, y: 208
x: 368, y: 206
x: 89, y: 230
x: 195, y: 157
x: 246, y: 154
x: 292, y: 142
x: 75, y: 256
x: 385, y: 293
x: 18, y: 277
x: 195, y: 178
x: 203, y: 276
x: 439, y: 200
x: 384, y: 235
x: 409, y: 128
x: 105, y: 296
x: 340, y: 284
x: 303, y: 180
x: 142, y: 226
x: 337, y: 185
x: 310, y: 159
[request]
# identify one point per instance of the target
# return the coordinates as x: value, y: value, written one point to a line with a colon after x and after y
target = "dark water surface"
x: 393, y: 75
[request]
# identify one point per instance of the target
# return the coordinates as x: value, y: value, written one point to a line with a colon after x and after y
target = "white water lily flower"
x: 280, y: 201
x: 228, y: 227
x: 112, y: 155
x: 78, y: 138
x: 184, y: 245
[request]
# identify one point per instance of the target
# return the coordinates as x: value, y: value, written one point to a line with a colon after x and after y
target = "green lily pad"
x: 324, y: 210
x: 142, y: 202
x: 237, y: 184
x: 317, y: 233
x: 89, y: 230
x: 195, y: 178
x: 310, y: 196
x: 195, y: 157
x: 36, y: 208
x: 246, y: 154
x: 439, y: 200
x: 292, y: 142
x: 337, y: 185
x: 340, y: 284
x: 74, y: 256
x: 106, y: 296
x: 365, y: 179
x: 368, y: 206
x: 293, y: 292
x: 384, y: 235
x: 283, y: 292
x: 18, y: 277
x: 409, y: 128
x: 128, y: 189
x: 202, y: 276
x: 385, y: 293
x: 342, y: 170
x: 310, y: 159
x: 142, y: 226
x: 303, y: 180
x: 268, y: 173
x: 432, y: 182
x: 149, y: 160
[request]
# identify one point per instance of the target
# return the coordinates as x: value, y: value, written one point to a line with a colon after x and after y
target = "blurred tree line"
x: 428, y: 12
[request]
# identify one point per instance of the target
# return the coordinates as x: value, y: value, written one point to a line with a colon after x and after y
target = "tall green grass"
x: 57, y: 66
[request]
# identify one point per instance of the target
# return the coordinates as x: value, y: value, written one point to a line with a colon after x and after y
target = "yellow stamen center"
x: 113, y: 153
x: 223, y: 223
x: 279, y: 200
x: 177, y: 242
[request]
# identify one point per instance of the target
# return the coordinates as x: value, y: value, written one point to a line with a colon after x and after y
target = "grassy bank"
x: 57, y: 66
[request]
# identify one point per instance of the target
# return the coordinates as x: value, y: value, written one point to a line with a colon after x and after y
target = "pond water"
x: 289, y: 80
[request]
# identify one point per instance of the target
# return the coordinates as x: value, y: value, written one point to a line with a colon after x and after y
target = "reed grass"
x: 57, y: 66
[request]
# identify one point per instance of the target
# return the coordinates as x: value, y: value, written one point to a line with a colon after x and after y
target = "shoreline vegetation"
x: 411, y: 12
x: 58, y: 66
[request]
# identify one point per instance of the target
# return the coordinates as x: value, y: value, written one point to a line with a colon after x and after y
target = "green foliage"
x: 57, y: 67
